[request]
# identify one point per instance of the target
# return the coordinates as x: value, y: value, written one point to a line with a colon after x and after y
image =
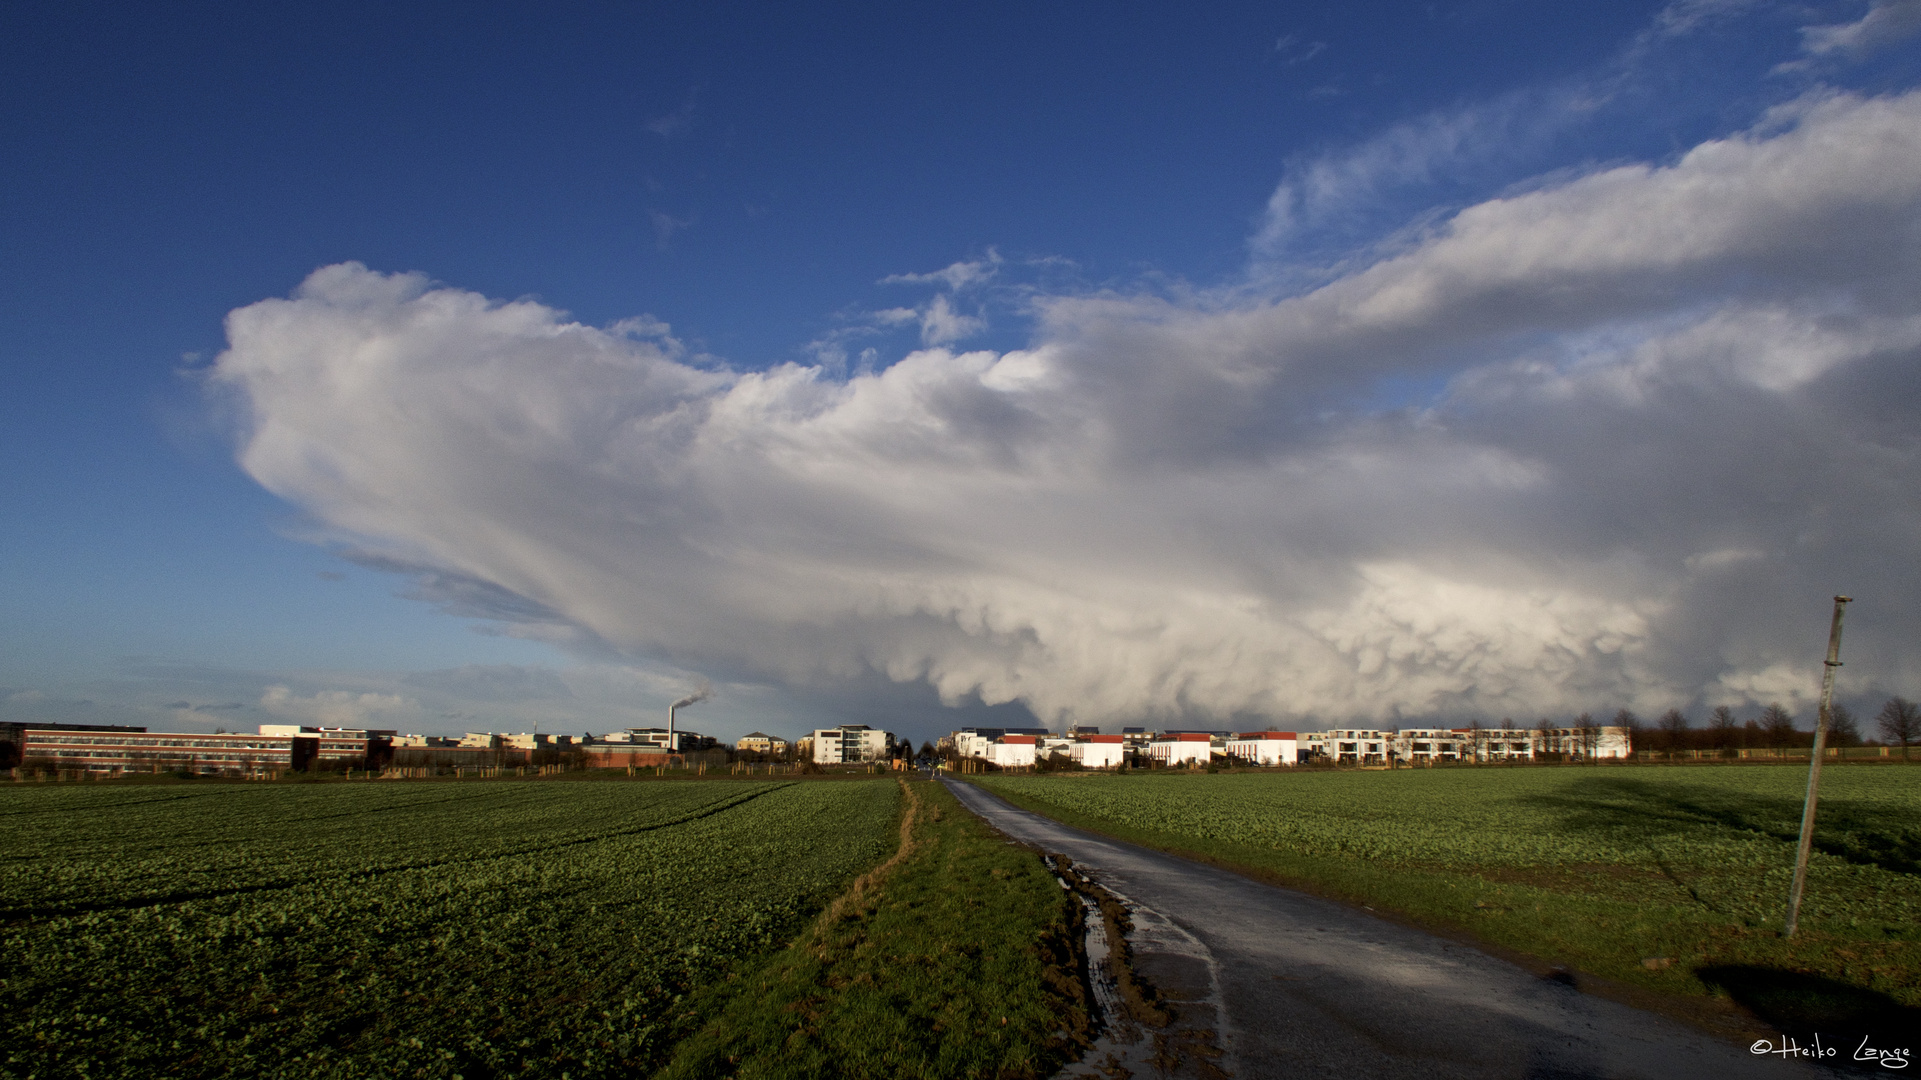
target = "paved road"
x: 1296, y: 986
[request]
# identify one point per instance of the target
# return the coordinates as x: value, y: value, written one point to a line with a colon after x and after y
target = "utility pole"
x: 1814, y: 767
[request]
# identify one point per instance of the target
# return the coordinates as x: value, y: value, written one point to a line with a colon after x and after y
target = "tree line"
x: 1898, y: 724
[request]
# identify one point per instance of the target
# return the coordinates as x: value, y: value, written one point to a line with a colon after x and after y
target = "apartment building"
x: 973, y: 742
x: 1265, y: 747
x: 850, y: 743
x: 1355, y: 746
x: 1424, y: 746
x: 1501, y: 744
x: 1182, y: 748
x: 1098, y: 751
x: 1582, y: 744
x: 1014, y: 751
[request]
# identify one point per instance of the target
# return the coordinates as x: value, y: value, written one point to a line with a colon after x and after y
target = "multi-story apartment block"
x: 1501, y: 744
x: 973, y: 742
x: 1355, y: 746
x: 1098, y: 751
x: 1182, y: 748
x: 851, y: 743
x: 1265, y: 747
x: 1583, y: 744
x: 1424, y: 746
x: 1014, y: 751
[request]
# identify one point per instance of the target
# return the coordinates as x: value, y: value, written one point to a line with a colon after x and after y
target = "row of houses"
x: 1025, y: 747
x: 277, y: 748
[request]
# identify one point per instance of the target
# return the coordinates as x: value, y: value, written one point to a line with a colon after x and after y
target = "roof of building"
x: 1268, y: 735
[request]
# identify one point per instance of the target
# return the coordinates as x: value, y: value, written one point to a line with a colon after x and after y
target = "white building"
x: 1424, y: 746
x: 478, y: 740
x: 527, y: 741
x: 1356, y: 746
x: 1098, y: 751
x: 1502, y: 744
x: 973, y: 742
x: 1582, y: 744
x: 851, y: 743
x: 1182, y: 748
x: 1265, y: 747
x: 1014, y: 751
x: 970, y: 743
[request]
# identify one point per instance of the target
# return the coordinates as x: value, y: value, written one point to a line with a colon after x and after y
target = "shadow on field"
x: 1807, y: 1006
x: 1879, y: 836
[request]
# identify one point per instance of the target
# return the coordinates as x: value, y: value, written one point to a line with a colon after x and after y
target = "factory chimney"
x: 702, y: 694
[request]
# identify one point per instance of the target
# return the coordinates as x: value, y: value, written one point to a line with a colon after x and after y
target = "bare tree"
x: 1674, y: 730
x: 1721, y: 723
x: 1637, y: 737
x: 1843, y: 730
x: 1587, y: 737
x: 1778, y: 724
x: 1900, y: 722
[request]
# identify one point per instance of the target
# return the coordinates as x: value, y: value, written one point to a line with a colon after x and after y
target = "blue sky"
x: 782, y: 188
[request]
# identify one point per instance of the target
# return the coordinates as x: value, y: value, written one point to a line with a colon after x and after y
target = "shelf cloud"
x: 1610, y: 441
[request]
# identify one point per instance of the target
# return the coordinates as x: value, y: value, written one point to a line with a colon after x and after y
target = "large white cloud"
x: 1677, y: 413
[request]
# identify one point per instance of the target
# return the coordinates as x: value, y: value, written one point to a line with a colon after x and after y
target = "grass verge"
x: 955, y: 958
x: 1658, y: 886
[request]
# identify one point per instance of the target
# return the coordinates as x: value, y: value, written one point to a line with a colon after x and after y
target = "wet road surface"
x: 1290, y: 985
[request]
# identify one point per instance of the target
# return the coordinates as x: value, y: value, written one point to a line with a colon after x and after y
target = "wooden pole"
x: 1814, y: 766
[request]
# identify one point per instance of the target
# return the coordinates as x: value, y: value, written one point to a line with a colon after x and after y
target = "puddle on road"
x: 1157, y: 987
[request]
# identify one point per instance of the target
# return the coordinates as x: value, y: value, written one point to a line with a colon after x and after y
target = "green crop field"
x: 1672, y: 879
x: 470, y: 929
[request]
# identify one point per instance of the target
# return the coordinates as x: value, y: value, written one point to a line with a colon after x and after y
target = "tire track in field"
x: 13, y: 915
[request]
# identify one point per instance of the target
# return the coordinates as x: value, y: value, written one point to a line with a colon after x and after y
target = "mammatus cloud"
x: 1610, y: 442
